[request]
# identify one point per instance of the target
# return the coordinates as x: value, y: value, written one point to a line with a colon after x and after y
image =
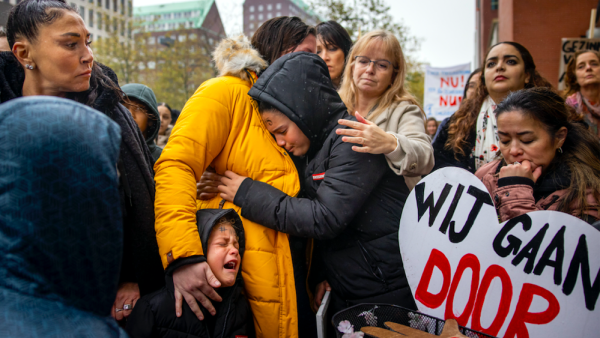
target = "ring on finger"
x: 517, y: 162
x: 118, y: 310
x: 127, y: 307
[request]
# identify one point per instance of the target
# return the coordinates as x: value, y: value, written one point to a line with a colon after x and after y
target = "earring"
x: 28, y: 66
x: 560, y: 151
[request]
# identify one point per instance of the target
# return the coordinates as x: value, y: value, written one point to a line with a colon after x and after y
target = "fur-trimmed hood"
x: 236, y: 56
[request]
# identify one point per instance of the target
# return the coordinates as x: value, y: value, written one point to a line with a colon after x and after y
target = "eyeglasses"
x: 380, y: 65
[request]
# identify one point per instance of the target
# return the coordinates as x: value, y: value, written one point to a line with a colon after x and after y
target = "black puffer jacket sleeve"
x: 349, y: 180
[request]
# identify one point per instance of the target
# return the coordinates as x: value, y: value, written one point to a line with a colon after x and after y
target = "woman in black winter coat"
x: 353, y: 200
x: 51, y: 56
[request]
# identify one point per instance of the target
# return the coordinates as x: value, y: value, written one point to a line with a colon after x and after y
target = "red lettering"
x: 522, y: 315
x: 453, y: 101
x: 505, y: 300
x: 432, y: 301
x: 452, y: 82
x: 469, y: 261
x: 444, y: 80
x: 443, y: 101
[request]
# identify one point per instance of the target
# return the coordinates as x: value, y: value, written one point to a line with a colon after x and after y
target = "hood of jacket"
x: 207, y: 219
x: 146, y: 96
x: 61, y: 236
x: 236, y: 57
x: 12, y: 77
x: 298, y: 85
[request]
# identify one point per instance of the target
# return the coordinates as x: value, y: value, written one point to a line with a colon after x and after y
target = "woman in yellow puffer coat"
x: 220, y: 126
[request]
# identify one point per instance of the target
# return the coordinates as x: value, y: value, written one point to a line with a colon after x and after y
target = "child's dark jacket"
x: 154, y: 314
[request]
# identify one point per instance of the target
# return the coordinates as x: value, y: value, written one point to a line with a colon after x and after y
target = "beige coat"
x: 414, y: 155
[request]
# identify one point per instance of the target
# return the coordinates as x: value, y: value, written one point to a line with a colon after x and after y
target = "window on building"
x: 99, y: 20
x: 270, y: 15
x: 494, y: 4
x: 99, y: 3
x: 122, y: 7
x: 251, y: 26
x: 91, y: 18
x: 251, y: 9
x: 260, y: 16
x: 122, y: 27
x: 269, y: 7
x: 130, y: 5
x: 107, y: 4
x: 91, y: 37
x: 91, y: 1
x: 152, y: 65
x: 151, y: 40
x: 260, y: 8
x: 278, y: 13
x: 193, y: 36
x: 251, y: 16
x: 210, y: 41
x: 115, y: 25
x: 115, y: 5
x: 278, y: 6
x: 82, y: 12
x: 182, y: 38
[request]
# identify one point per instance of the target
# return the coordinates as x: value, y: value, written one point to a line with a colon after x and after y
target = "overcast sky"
x: 446, y: 27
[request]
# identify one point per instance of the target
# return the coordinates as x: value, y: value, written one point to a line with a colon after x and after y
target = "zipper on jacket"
x: 368, y: 259
x: 226, y: 316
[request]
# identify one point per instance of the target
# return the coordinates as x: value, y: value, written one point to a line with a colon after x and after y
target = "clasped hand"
x: 230, y: 183
x: 523, y: 169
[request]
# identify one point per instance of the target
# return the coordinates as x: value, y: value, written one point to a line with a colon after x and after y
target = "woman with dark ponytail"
x: 51, y: 55
x: 549, y: 161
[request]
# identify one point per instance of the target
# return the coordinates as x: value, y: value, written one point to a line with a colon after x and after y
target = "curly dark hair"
x: 463, y: 121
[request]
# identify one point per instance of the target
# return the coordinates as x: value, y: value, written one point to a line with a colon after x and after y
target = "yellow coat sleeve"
x: 198, y: 137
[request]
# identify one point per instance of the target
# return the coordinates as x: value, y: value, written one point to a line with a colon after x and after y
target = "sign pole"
x: 592, y: 24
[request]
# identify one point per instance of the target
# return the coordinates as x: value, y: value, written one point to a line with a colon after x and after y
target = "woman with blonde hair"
x: 582, y: 82
x: 389, y: 119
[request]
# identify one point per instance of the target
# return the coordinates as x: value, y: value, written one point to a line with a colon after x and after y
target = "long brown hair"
x: 580, y: 150
x: 571, y: 84
x: 463, y: 121
x: 280, y: 35
x: 396, y: 93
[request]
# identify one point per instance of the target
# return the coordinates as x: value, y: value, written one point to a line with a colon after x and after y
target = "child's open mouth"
x: 230, y: 265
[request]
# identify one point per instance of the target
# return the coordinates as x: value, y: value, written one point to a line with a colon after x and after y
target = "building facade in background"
x: 103, y: 17
x: 182, y: 20
x: 537, y: 25
x: 258, y: 11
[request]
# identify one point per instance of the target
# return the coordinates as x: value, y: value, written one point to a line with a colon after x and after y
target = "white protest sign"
x: 568, y: 49
x: 537, y: 275
x: 444, y: 89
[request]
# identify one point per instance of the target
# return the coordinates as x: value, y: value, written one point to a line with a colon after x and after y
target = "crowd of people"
x: 283, y: 177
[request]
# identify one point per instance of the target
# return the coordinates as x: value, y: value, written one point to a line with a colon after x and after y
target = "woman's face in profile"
x: 61, y: 55
x: 334, y: 58
x: 472, y: 85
